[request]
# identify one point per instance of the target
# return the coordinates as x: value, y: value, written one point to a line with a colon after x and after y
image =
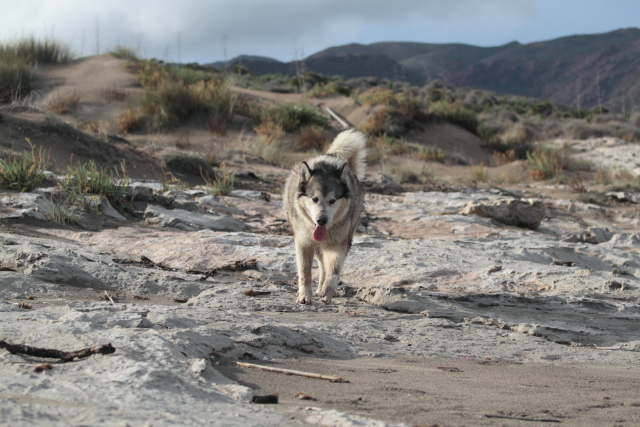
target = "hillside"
x: 582, y: 71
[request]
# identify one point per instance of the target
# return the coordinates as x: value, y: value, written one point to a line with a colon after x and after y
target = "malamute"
x: 323, y: 200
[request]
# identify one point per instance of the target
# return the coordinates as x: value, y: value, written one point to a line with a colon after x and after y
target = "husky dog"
x: 323, y: 200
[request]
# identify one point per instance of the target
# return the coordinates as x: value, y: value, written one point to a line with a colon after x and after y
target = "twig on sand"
x: 65, y: 356
x: 522, y: 418
x: 595, y: 347
x: 331, y: 378
x: 108, y: 297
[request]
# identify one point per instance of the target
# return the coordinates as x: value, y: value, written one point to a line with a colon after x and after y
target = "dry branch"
x: 331, y: 378
x: 65, y: 356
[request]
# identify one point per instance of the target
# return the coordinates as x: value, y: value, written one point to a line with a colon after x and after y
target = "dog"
x: 323, y: 200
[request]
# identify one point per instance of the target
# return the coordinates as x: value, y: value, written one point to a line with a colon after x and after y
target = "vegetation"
x: 18, y: 61
x: 431, y: 154
x: 23, y: 172
x: 128, y: 121
x: 175, y: 93
x: 312, y: 138
x: 84, y: 179
x: 223, y: 182
x: 124, y: 52
x: 291, y: 116
x: 62, y: 103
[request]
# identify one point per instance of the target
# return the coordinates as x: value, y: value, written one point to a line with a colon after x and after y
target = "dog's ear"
x: 341, y: 169
x: 306, y: 170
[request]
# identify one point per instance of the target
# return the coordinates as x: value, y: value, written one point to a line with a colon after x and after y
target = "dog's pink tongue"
x: 319, y: 233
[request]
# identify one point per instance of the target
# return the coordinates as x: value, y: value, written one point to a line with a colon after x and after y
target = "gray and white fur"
x: 323, y: 200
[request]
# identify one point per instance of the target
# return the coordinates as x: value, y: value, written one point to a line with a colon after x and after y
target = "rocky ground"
x: 444, y: 294
x: 459, y: 305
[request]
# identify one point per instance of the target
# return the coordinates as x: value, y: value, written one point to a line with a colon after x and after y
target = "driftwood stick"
x: 331, y: 378
x: 105, y: 292
x: 538, y: 420
x: 337, y: 117
x: 65, y: 356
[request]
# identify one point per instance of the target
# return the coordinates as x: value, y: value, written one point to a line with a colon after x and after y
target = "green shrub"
x: 84, y: 179
x: 290, y: 116
x: 16, y: 78
x: 223, y: 182
x: 546, y: 162
x: 377, y: 96
x: 124, y: 52
x: 23, y: 172
x: 457, y: 114
x: 34, y: 51
x: 431, y: 154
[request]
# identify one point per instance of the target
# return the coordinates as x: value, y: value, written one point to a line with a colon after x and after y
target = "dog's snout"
x: 322, y: 220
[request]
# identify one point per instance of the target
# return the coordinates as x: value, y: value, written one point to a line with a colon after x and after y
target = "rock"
x: 591, y: 235
x: 108, y: 210
x: 28, y: 204
x: 624, y: 196
x: 382, y: 184
x: 517, y: 212
x: 189, y: 221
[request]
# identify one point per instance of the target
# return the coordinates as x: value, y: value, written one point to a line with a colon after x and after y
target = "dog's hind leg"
x: 304, y: 259
x: 333, y: 260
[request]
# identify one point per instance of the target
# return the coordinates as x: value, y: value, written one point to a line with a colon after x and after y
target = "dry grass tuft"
x: 128, y: 121
x: 500, y: 158
x: 269, y: 132
x: 114, y: 93
x: 217, y: 125
x: 183, y: 143
x: 312, y: 138
x: 61, y: 103
x: 431, y: 154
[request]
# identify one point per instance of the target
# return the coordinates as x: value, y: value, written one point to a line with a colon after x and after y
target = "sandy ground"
x: 454, y: 392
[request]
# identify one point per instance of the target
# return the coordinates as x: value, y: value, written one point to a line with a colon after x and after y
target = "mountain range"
x: 581, y: 71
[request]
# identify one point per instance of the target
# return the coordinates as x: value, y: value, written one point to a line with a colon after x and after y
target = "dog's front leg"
x: 333, y: 260
x: 304, y: 259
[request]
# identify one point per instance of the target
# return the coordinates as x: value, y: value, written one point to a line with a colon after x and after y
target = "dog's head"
x: 323, y: 193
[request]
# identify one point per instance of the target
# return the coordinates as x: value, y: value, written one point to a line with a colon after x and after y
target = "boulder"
x: 518, y: 212
x: 381, y: 184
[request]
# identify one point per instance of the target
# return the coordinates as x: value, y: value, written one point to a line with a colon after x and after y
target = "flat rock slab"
x: 190, y: 221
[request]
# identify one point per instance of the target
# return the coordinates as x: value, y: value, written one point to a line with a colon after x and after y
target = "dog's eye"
x: 315, y: 200
x: 332, y: 201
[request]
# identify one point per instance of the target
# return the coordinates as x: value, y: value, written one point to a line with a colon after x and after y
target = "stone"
x: 516, y: 212
x: 190, y: 221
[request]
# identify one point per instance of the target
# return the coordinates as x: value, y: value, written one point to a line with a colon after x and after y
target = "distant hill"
x: 583, y: 70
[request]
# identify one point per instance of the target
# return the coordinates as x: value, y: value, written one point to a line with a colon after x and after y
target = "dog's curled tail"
x: 350, y: 147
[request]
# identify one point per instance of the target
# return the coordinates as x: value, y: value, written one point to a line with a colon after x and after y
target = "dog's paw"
x: 328, y: 295
x: 304, y: 299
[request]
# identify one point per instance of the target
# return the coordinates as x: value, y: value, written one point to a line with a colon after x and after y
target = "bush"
x: 269, y: 132
x: 60, y: 104
x: 546, y: 162
x: 456, y: 114
x: 312, y: 138
x: 321, y: 90
x: 128, y: 121
x: 431, y: 154
x: 290, y: 116
x: 16, y: 78
x: 124, y: 52
x: 23, y: 172
x: 34, y: 51
x: 86, y: 179
x: 377, y: 96
x: 223, y: 183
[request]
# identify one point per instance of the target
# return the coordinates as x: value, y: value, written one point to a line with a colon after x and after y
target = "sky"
x: 206, y: 31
